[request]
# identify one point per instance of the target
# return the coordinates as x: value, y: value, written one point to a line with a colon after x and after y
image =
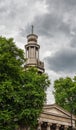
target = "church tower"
x: 32, y: 52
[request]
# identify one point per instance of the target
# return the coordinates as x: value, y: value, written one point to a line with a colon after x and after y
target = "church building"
x: 53, y: 116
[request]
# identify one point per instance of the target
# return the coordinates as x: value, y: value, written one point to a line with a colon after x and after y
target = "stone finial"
x: 32, y: 29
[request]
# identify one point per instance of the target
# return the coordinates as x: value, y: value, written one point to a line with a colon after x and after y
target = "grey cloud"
x: 73, y: 42
x: 48, y: 25
x: 7, y: 8
x: 51, y: 23
x: 70, y: 3
x: 26, y: 30
x: 3, y: 6
x: 65, y: 28
x: 62, y: 61
x: 12, y: 13
x: 63, y: 4
x: 2, y: 10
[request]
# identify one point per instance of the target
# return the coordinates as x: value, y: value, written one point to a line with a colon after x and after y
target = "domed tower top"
x: 32, y: 38
x: 32, y: 52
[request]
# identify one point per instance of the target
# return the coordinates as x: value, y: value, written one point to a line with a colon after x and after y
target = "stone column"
x: 48, y: 126
x: 65, y: 127
x: 58, y: 126
x: 39, y: 126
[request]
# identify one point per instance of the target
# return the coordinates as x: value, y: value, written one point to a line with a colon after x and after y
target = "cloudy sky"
x: 54, y: 22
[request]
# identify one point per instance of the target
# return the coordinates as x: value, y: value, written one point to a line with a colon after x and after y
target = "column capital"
x: 40, y: 122
x: 58, y: 125
x: 66, y: 127
x: 39, y: 125
x: 49, y: 124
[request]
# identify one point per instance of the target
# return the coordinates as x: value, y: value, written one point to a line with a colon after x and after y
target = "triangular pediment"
x: 56, y: 110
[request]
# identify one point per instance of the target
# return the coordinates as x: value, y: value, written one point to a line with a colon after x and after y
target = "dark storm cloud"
x: 53, y: 22
x: 62, y: 61
x: 64, y: 4
x: 57, y: 20
x: 70, y: 3
x: 48, y: 25
x: 42, y: 25
x: 65, y: 28
x: 61, y: 15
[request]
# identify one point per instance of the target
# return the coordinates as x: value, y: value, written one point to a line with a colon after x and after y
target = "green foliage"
x: 22, y: 93
x: 65, y: 93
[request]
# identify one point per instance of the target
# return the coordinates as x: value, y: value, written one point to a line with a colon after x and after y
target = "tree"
x: 22, y: 93
x: 65, y: 93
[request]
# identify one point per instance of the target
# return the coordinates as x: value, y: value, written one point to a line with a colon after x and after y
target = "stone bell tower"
x: 32, y: 52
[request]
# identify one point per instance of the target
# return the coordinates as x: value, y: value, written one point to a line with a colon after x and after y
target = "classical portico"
x: 54, y: 117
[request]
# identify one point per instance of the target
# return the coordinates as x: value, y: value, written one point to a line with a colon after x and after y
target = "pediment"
x: 56, y: 110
